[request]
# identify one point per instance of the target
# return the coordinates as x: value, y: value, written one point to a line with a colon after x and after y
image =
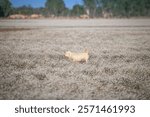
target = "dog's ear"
x: 86, y: 51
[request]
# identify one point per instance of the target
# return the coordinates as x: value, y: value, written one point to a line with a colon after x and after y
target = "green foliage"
x: 28, y: 10
x: 5, y: 8
x: 67, y: 12
x: 127, y: 7
x: 77, y: 10
x: 1, y: 12
x: 55, y: 7
x: 91, y: 5
x: 94, y: 8
x: 121, y: 8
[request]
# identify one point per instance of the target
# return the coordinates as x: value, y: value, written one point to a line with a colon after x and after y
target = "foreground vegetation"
x: 32, y: 63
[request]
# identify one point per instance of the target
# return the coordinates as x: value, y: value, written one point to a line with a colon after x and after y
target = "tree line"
x: 93, y: 8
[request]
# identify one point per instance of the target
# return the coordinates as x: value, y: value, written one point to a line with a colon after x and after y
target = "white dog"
x: 78, y: 57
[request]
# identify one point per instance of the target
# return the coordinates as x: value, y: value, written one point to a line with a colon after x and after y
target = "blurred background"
x: 76, y: 8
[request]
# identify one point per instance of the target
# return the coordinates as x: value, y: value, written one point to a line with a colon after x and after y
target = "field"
x: 33, y: 66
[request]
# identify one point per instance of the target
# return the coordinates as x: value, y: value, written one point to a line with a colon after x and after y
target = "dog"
x: 78, y: 57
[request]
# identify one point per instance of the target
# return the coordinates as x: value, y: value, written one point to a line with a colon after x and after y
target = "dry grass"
x: 32, y: 63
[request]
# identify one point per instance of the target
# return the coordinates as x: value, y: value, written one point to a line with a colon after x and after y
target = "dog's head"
x: 68, y: 54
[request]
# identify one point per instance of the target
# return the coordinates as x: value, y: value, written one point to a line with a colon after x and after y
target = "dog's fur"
x: 78, y: 57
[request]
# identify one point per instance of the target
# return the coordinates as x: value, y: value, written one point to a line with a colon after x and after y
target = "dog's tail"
x: 86, y: 51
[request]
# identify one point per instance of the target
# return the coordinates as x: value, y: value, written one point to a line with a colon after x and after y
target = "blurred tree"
x: 94, y: 8
x: 147, y: 7
x: 5, y: 8
x: 77, y: 10
x: 67, y: 12
x: 90, y: 7
x: 55, y: 7
x: 26, y: 10
x: 1, y: 12
x: 127, y: 7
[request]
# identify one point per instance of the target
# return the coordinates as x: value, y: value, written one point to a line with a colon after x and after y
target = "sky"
x: 41, y: 3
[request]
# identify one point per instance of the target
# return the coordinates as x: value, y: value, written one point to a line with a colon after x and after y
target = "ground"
x: 33, y: 66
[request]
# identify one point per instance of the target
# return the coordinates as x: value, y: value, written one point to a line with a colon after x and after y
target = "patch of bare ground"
x: 13, y: 29
x: 33, y: 66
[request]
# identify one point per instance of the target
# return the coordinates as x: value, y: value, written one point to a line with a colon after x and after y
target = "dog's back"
x: 84, y: 56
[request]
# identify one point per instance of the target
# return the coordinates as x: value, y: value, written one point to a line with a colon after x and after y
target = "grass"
x: 32, y: 63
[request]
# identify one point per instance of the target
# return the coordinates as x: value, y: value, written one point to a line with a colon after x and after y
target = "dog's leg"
x: 73, y: 60
x: 86, y: 60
